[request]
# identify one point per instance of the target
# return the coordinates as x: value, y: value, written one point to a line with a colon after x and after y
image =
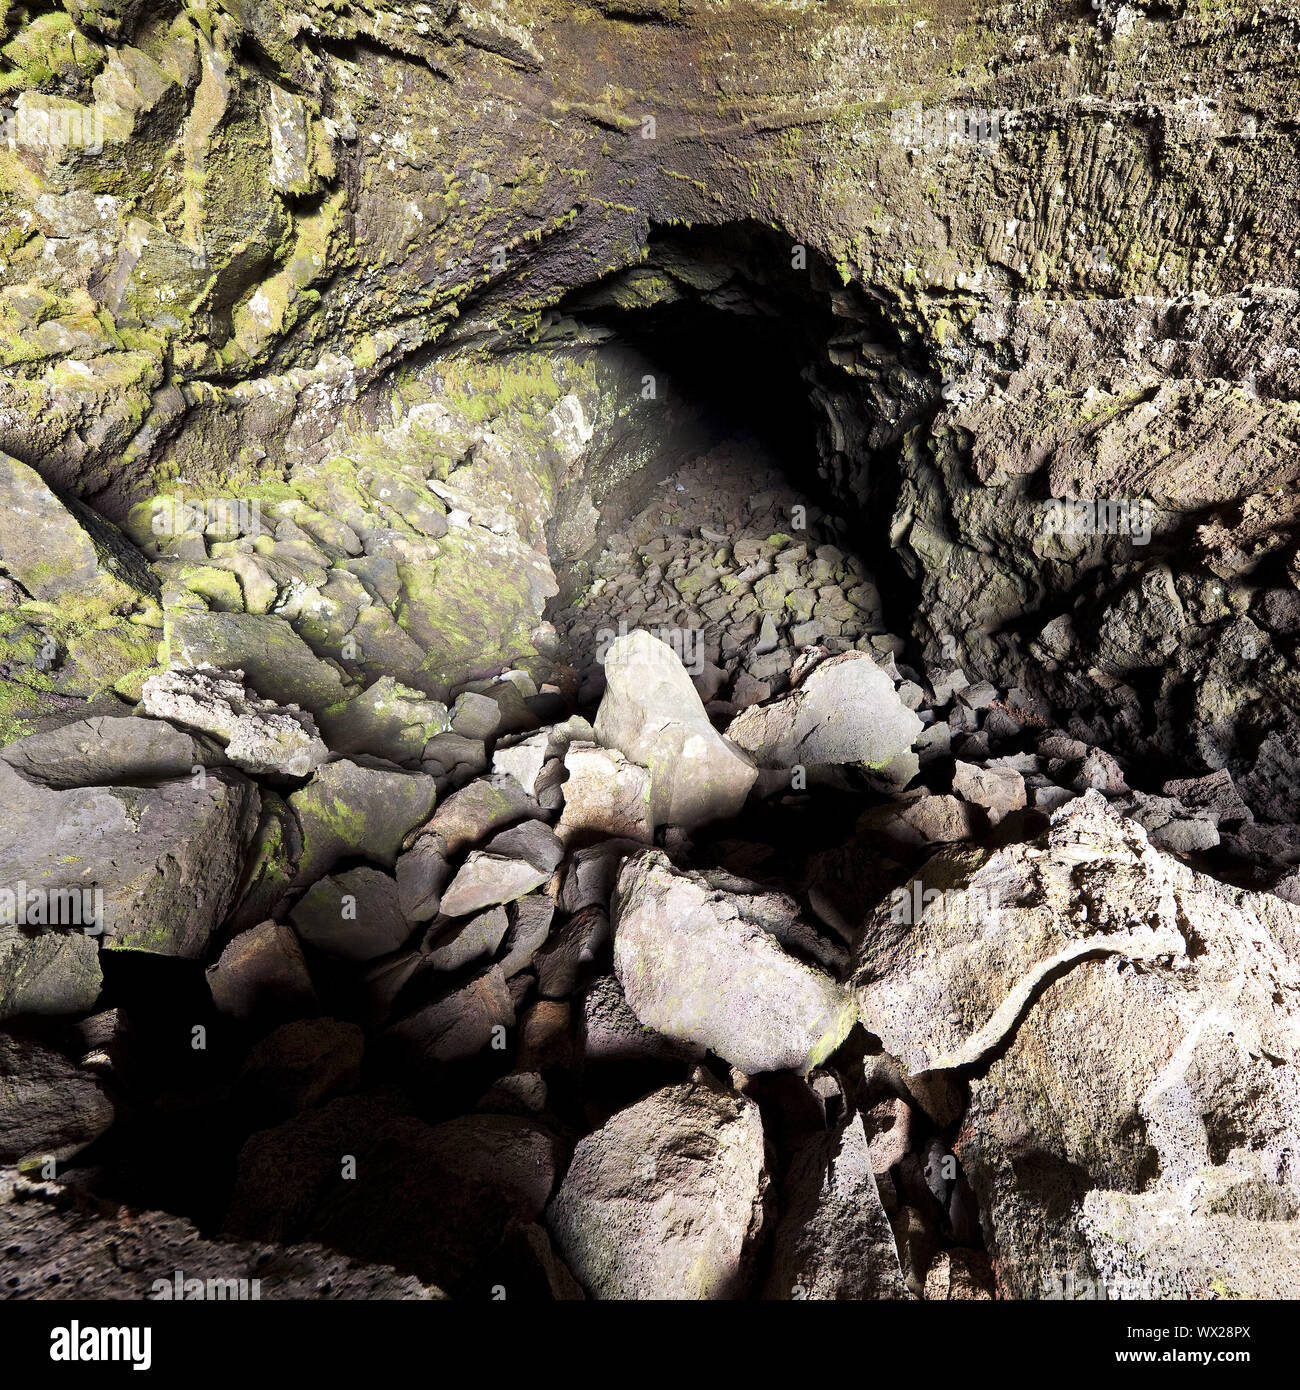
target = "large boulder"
x: 166, y: 858
x: 652, y: 714
x: 703, y: 966
x: 348, y: 810
x: 845, y: 711
x: 1130, y: 1030
x: 665, y: 1201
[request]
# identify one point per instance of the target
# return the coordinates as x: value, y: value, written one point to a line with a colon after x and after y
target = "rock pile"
x: 545, y: 1010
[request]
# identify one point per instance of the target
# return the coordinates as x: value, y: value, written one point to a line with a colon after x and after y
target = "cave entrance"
x: 759, y: 528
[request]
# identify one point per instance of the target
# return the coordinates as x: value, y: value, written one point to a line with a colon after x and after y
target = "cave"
x: 633, y: 668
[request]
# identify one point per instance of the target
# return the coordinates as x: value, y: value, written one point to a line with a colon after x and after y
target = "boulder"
x: 701, y: 965
x: 262, y: 974
x: 471, y: 814
x: 651, y: 713
x: 165, y: 858
x: 274, y: 660
x: 55, y: 974
x: 354, y: 915
x: 833, y: 1240
x: 63, y: 1243
x: 104, y: 751
x: 348, y: 810
x: 845, y: 711
x: 388, y: 719
x: 49, y: 1108
x: 1131, y: 1033
x: 605, y: 797
x: 665, y: 1201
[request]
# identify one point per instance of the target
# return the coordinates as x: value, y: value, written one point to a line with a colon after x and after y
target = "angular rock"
x: 460, y: 1024
x: 652, y: 714
x: 62, y: 1243
x: 1000, y: 790
x: 55, y: 974
x: 258, y: 735
x: 833, y: 1240
x: 262, y: 973
x: 347, y: 810
x: 845, y: 711
x: 48, y: 1107
x: 354, y: 915
x: 472, y: 813
x: 698, y: 965
x: 459, y: 943
x: 275, y: 661
x: 612, y: 1033
x: 530, y: 924
x: 166, y: 858
x: 605, y: 797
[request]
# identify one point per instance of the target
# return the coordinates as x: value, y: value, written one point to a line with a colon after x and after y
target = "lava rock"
x: 697, y: 966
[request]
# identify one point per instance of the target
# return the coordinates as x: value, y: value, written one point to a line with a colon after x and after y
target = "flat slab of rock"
x: 515, y: 862
x: 106, y: 751
x: 665, y: 1200
x: 653, y: 715
x: 845, y: 711
x: 697, y: 966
